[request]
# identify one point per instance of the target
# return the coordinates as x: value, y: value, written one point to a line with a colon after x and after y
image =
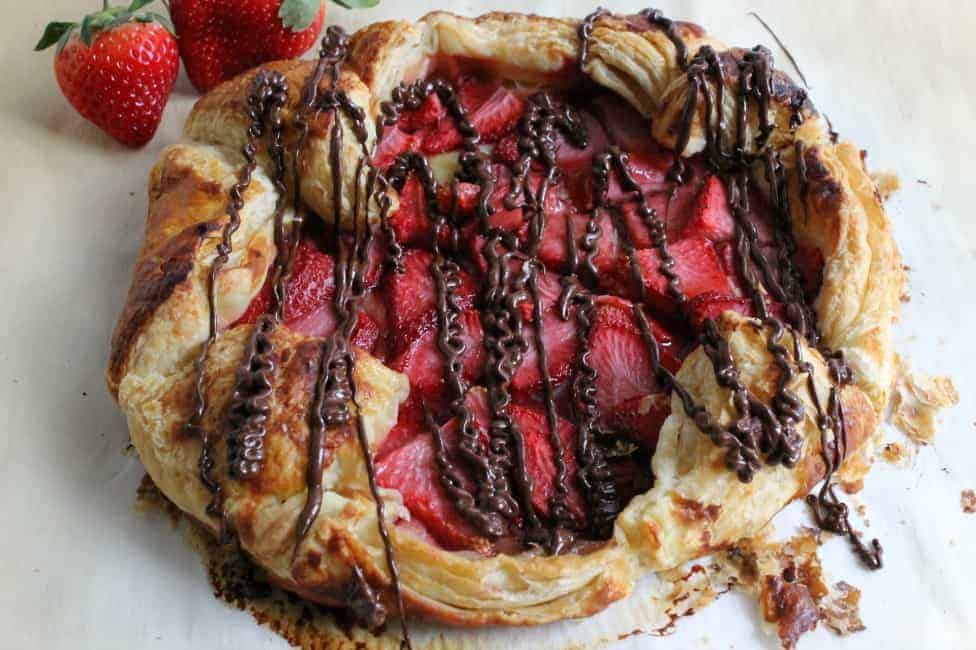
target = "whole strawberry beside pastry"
x: 117, y: 67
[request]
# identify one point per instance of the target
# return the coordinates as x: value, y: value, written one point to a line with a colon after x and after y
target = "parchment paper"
x: 79, y: 568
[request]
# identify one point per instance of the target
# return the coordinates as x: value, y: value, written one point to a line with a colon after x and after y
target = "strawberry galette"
x: 479, y: 320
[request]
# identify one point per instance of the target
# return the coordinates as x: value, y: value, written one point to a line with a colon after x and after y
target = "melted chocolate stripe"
x: 669, y: 27
x: 259, y: 102
x: 755, y: 70
x: 249, y: 407
x: 335, y: 384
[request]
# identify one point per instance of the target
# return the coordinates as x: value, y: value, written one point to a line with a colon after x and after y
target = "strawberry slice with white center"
x: 412, y: 299
x: 620, y: 355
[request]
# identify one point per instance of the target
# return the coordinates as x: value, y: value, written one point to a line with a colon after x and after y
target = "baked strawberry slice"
x: 423, y: 362
x: 412, y: 470
x: 411, y: 299
x: 540, y: 458
x: 463, y: 199
x: 625, y: 127
x: 572, y: 159
x: 711, y: 216
x: 473, y: 91
x: 640, y: 418
x: 310, y: 287
x: 493, y: 120
x: 430, y: 113
x: 561, y: 344
x: 620, y: 355
x: 696, y: 264
x: 712, y: 305
x: 394, y: 142
x: 410, y: 222
x: 809, y: 262
x: 507, y: 150
x: 410, y: 424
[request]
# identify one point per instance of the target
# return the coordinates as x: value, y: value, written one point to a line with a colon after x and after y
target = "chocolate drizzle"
x: 249, y: 406
x: 779, y: 441
x: 503, y: 501
x: 262, y: 105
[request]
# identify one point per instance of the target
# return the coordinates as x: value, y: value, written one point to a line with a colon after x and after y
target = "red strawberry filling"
x: 401, y: 321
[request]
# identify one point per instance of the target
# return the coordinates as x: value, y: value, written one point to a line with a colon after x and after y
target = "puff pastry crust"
x: 696, y: 505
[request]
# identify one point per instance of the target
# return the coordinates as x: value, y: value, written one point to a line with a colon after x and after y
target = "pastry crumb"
x: 895, y: 453
x: 886, y: 182
x: 917, y: 400
x: 841, y: 610
x: 968, y: 499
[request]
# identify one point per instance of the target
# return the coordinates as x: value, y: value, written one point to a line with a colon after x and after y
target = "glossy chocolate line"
x: 782, y: 46
x: 741, y: 456
x: 669, y: 27
x: 537, y: 143
x: 594, y: 474
x: 586, y: 34
x: 655, y: 226
x: 489, y: 467
x: 258, y: 103
x: 250, y: 402
x: 391, y: 562
x: 754, y: 81
x: 446, y: 280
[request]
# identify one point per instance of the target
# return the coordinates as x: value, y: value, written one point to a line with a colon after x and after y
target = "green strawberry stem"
x: 298, y: 15
x: 108, y: 18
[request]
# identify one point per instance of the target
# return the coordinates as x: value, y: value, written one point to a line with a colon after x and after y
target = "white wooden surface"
x: 80, y: 569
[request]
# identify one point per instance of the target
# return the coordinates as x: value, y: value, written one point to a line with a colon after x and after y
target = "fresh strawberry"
x: 310, y: 289
x: 394, y: 142
x: 412, y: 470
x: 412, y: 299
x: 219, y: 39
x: 711, y: 216
x: 620, y: 355
x: 118, y: 70
x: 427, y: 116
x: 696, y: 263
x: 641, y: 418
x: 423, y: 362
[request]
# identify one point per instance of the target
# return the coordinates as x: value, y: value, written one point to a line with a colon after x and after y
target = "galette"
x: 480, y: 320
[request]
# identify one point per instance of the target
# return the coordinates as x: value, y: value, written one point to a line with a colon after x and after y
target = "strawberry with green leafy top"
x: 117, y: 68
x: 219, y: 39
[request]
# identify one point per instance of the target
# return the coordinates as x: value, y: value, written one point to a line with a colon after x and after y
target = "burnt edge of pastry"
x: 763, y: 434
